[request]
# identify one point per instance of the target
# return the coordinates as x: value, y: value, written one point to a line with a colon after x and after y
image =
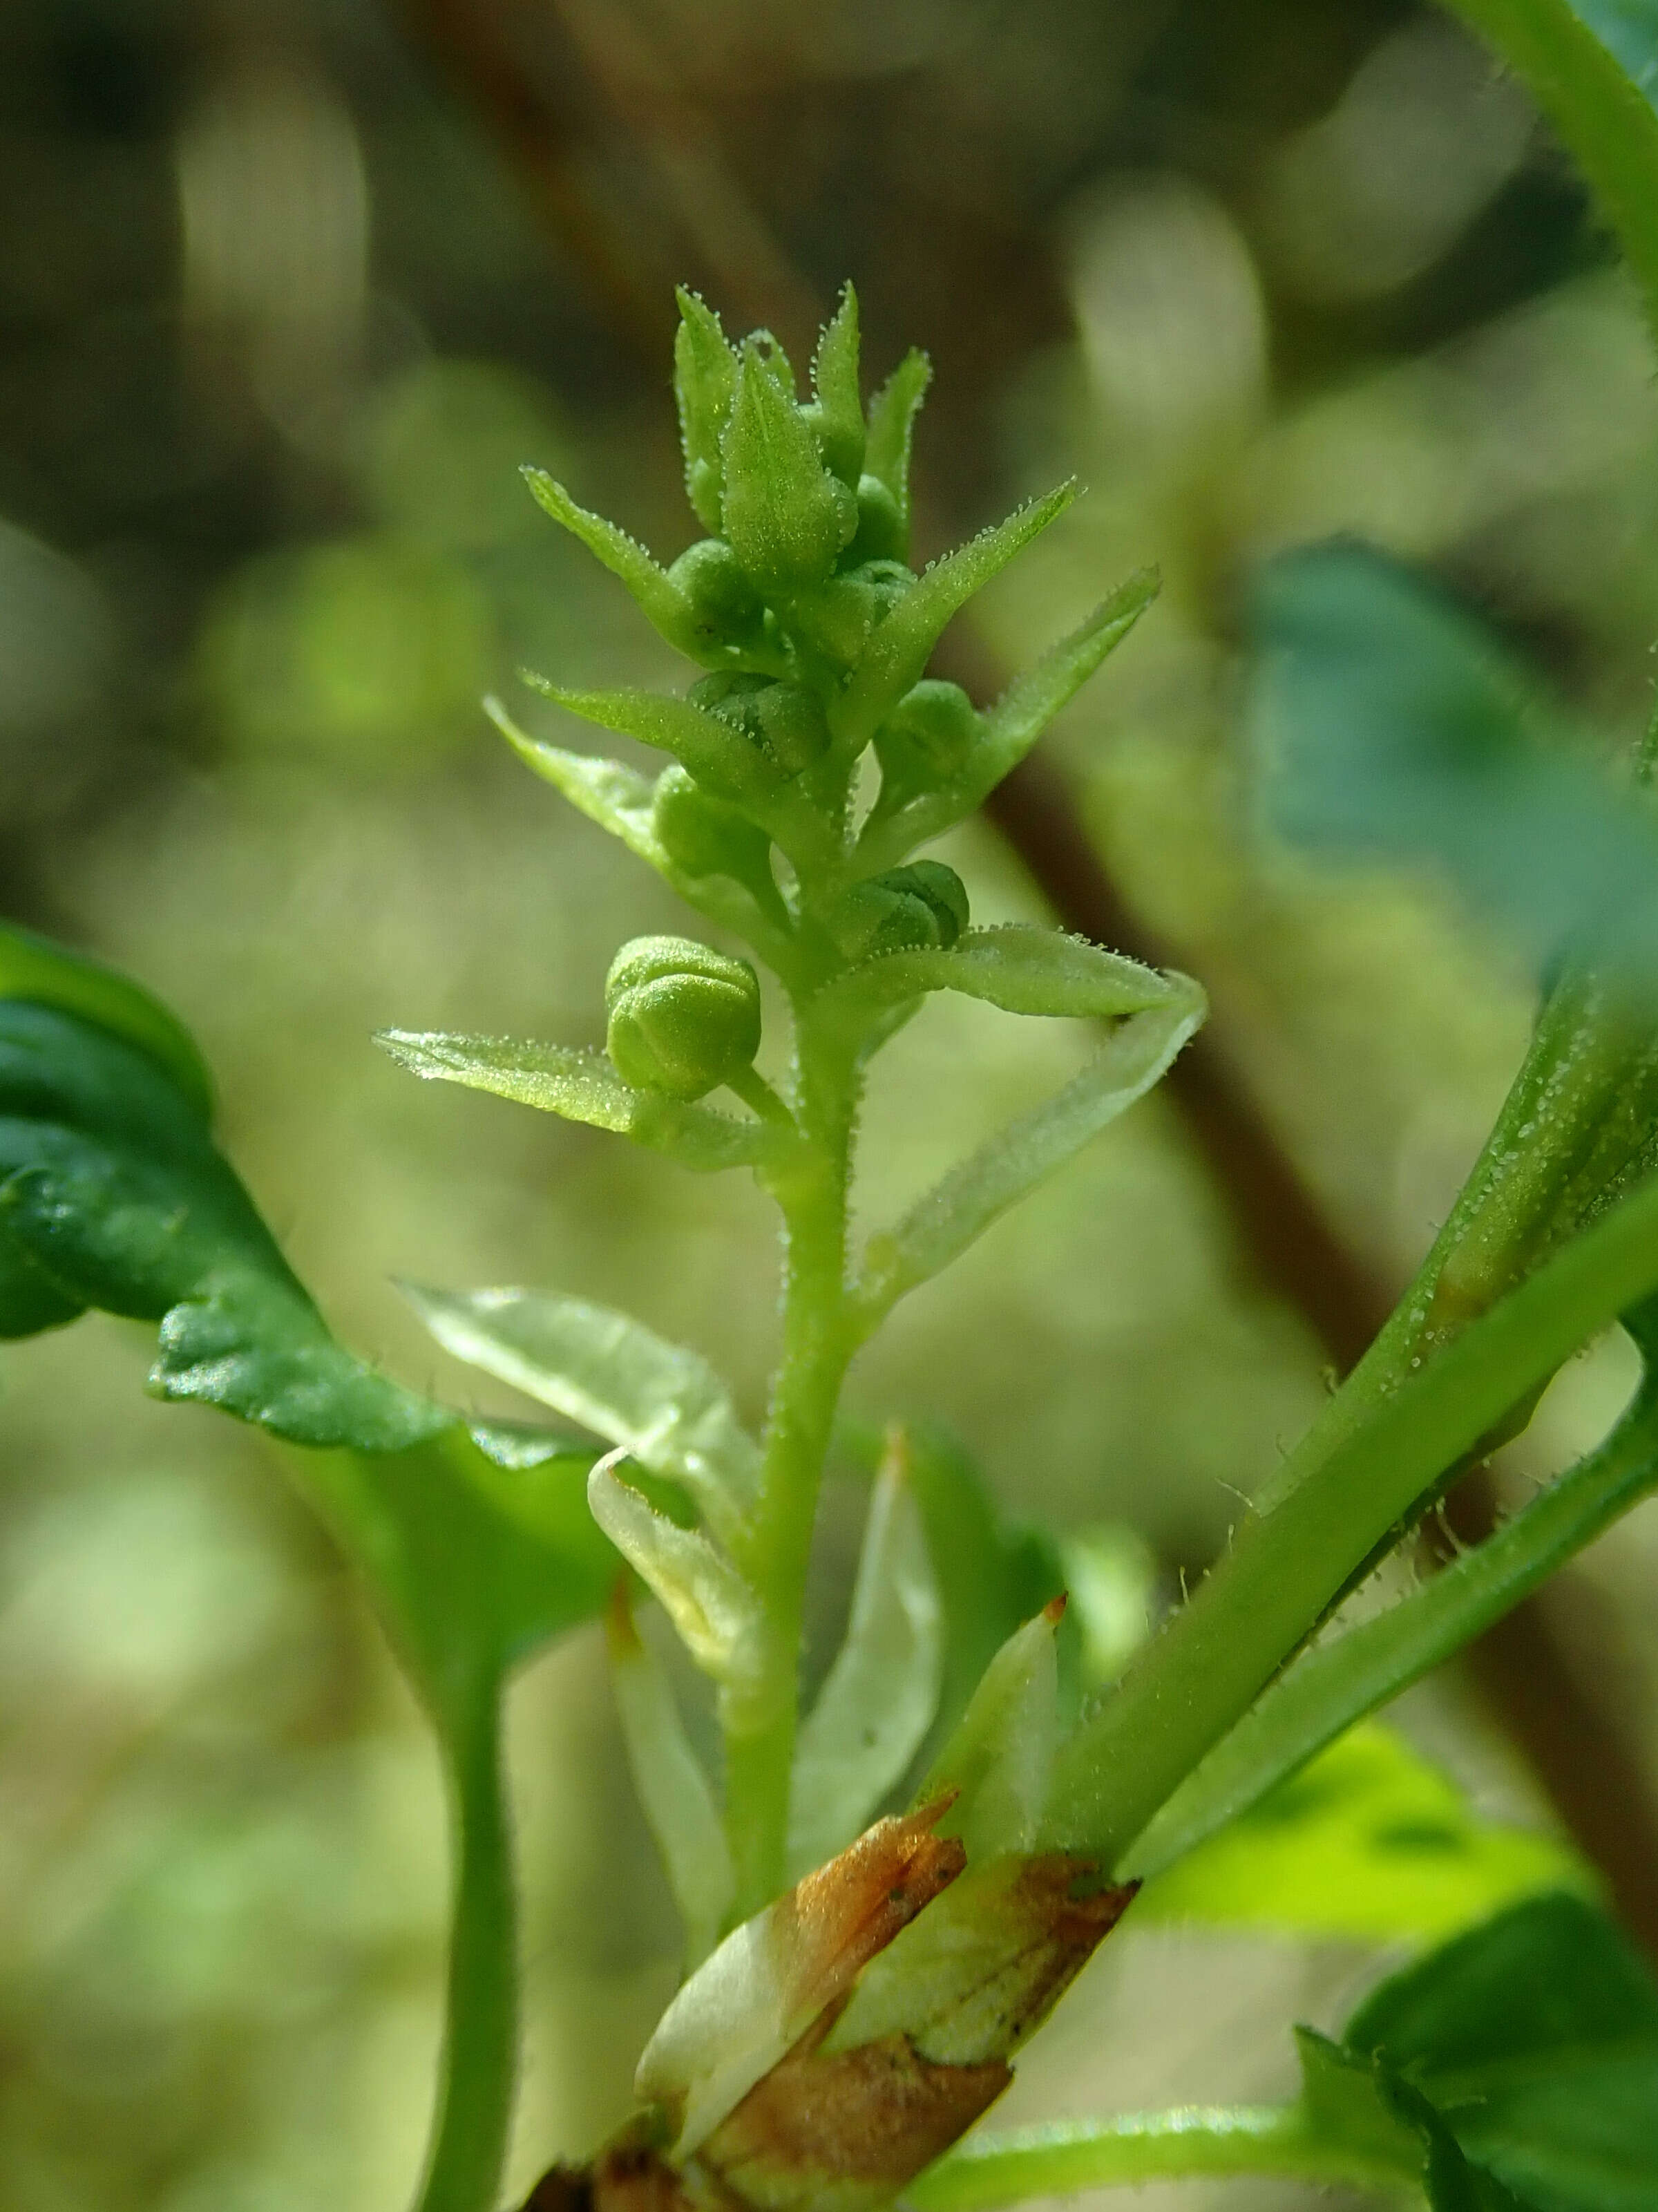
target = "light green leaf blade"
x: 715, y: 751
x: 1019, y: 967
x: 673, y: 1789
x: 704, y: 384
x: 617, y: 798
x: 664, y: 1404
x: 1368, y: 1840
x: 999, y: 1757
x: 581, y: 1085
x: 652, y: 589
x: 715, y: 1613
x: 879, y: 1699
x: 962, y: 1206
x: 899, y: 649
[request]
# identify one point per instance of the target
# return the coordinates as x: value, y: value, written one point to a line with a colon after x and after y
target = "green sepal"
x: 660, y: 600
x: 899, y: 647
x: 715, y: 749
x: 704, y: 386
x: 48, y: 975
x: 582, y: 1086
x: 786, y: 516
x: 837, y: 415
x: 892, y: 415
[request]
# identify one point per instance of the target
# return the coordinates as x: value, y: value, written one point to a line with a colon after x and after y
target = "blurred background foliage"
x: 289, y: 288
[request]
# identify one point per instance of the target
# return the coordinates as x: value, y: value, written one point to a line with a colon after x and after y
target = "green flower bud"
x: 913, y: 908
x: 925, y: 741
x: 882, y: 532
x: 704, y: 835
x: 684, y: 1018
x: 786, y: 719
x: 725, y: 605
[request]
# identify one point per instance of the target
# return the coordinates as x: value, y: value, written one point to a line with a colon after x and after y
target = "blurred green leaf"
x: 1394, y: 727
x: 1367, y: 1840
x: 1531, y: 2042
x: 880, y: 1695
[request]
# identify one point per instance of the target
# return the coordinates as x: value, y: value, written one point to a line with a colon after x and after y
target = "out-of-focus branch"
x: 550, y: 82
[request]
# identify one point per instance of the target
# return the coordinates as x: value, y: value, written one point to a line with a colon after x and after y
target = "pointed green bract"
x: 892, y: 415
x: 618, y: 798
x: 704, y: 382
x: 674, y: 1792
x: 714, y: 749
x: 879, y: 1699
x: 838, y: 414
x: 786, y: 516
x: 652, y: 589
x: 1000, y: 1754
x: 899, y: 650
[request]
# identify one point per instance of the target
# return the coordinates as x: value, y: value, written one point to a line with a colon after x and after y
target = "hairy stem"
x: 1057, y: 2160
x: 1288, y: 1565
x: 811, y: 1190
x: 480, y: 2051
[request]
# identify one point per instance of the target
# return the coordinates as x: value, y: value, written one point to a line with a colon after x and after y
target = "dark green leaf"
x: 1533, y: 2042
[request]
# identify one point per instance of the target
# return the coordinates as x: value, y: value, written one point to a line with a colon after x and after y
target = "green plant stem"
x: 1329, y: 1689
x: 480, y: 2050
x: 1140, y: 2147
x: 811, y: 1190
x: 1288, y: 1566
x: 1606, y: 119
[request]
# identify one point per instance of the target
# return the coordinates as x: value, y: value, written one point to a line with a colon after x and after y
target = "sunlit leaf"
x: 1368, y: 1840
x: 661, y: 1401
x: 581, y: 1085
x: 716, y: 1612
x: 879, y: 1699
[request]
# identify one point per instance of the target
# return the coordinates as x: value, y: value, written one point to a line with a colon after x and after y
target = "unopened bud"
x: 723, y: 604
x: 684, y: 1018
x: 881, y: 534
x: 786, y: 719
x: 703, y: 834
x: 919, y: 908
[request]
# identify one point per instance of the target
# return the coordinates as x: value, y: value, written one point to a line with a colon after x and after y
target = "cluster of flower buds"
x: 813, y: 634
